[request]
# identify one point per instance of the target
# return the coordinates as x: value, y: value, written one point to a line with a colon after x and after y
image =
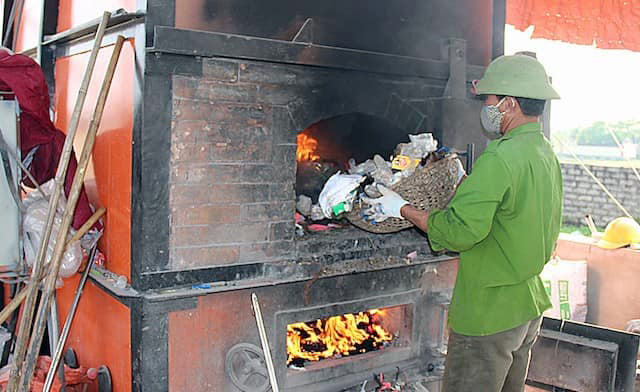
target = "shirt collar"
x: 522, y: 129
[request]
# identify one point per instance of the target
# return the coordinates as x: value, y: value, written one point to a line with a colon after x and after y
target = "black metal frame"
x: 212, y: 44
x: 628, y: 344
x: 499, y: 20
x: 6, y: 10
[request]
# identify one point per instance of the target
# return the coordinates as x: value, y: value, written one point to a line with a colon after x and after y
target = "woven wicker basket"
x: 427, y: 188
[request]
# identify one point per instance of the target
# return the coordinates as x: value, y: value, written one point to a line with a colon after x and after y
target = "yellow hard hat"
x: 620, y: 232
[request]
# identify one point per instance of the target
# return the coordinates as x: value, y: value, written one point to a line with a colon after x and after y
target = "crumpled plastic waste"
x: 420, y: 145
x: 365, y: 168
x: 316, y: 213
x: 372, y: 191
x: 34, y: 219
x: 90, y: 239
x: 303, y: 205
x: 383, y: 174
x: 340, y: 188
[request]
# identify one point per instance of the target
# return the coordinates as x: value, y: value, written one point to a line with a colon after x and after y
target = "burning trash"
x: 344, y: 184
x: 336, y: 336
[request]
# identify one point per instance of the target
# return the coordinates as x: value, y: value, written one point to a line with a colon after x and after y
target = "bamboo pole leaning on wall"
x: 615, y: 139
x: 32, y: 288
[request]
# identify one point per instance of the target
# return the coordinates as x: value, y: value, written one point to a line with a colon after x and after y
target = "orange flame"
x: 306, y: 148
x: 339, y: 335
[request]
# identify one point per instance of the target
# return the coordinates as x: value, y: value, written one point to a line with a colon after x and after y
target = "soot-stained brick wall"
x: 233, y: 142
x: 583, y: 196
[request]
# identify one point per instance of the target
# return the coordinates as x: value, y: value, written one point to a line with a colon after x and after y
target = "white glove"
x: 389, y: 205
x: 373, y: 214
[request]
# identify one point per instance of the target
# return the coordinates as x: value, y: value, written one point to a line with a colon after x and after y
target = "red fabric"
x: 23, y: 76
x: 610, y: 24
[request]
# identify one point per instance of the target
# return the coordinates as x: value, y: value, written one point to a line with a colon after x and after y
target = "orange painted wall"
x: 101, y: 330
x: 28, y: 28
x: 73, y: 12
x: 108, y: 180
x: 100, y: 333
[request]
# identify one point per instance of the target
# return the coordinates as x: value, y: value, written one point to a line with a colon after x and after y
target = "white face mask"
x: 491, y: 117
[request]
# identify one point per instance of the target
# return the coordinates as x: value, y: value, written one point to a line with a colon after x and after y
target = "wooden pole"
x: 78, y: 180
x: 271, y: 370
x: 32, y: 288
x: 621, y: 148
x: 85, y: 227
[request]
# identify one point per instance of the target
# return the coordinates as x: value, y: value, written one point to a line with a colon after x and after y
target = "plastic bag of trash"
x: 365, y: 168
x: 34, y: 219
x: 339, y: 189
x: 423, y: 143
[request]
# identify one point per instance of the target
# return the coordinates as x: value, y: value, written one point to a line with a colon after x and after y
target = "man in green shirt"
x: 504, y: 220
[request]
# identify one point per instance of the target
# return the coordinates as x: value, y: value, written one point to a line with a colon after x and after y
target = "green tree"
x: 597, y: 134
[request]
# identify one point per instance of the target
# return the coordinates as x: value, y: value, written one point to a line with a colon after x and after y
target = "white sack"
x: 566, y: 284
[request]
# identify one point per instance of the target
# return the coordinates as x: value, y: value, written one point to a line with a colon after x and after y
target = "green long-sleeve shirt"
x: 504, y: 220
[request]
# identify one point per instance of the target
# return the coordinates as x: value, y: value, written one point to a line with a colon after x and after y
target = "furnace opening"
x: 327, y: 146
x: 347, y: 335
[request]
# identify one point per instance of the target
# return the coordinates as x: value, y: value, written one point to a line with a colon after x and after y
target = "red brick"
x: 184, y: 86
x: 213, y: 90
x: 241, y: 233
x: 183, y: 194
x: 190, y: 235
x: 193, y: 109
x: 225, y: 92
x: 196, y: 257
x: 188, y: 131
x: 220, y: 69
x: 189, y: 194
x: 210, y: 173
x: 266, y: 212
x: 205, y: 215
x: 267, y: 251
x: 239, y: 193
x: 182, y: 152
x: 218, y: 234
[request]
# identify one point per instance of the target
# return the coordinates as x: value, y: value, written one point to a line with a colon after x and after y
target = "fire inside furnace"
x: 337, y: 336
x: 327, y: 147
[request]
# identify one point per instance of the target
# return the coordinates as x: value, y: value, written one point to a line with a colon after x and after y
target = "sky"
x: 594, y: 84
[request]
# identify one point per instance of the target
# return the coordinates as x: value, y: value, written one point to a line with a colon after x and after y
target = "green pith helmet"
x: 516, y: 76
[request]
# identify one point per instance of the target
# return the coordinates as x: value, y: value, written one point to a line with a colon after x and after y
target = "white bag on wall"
x: 9, y: 210
x: 36, y: 209
x: 566, y: 284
